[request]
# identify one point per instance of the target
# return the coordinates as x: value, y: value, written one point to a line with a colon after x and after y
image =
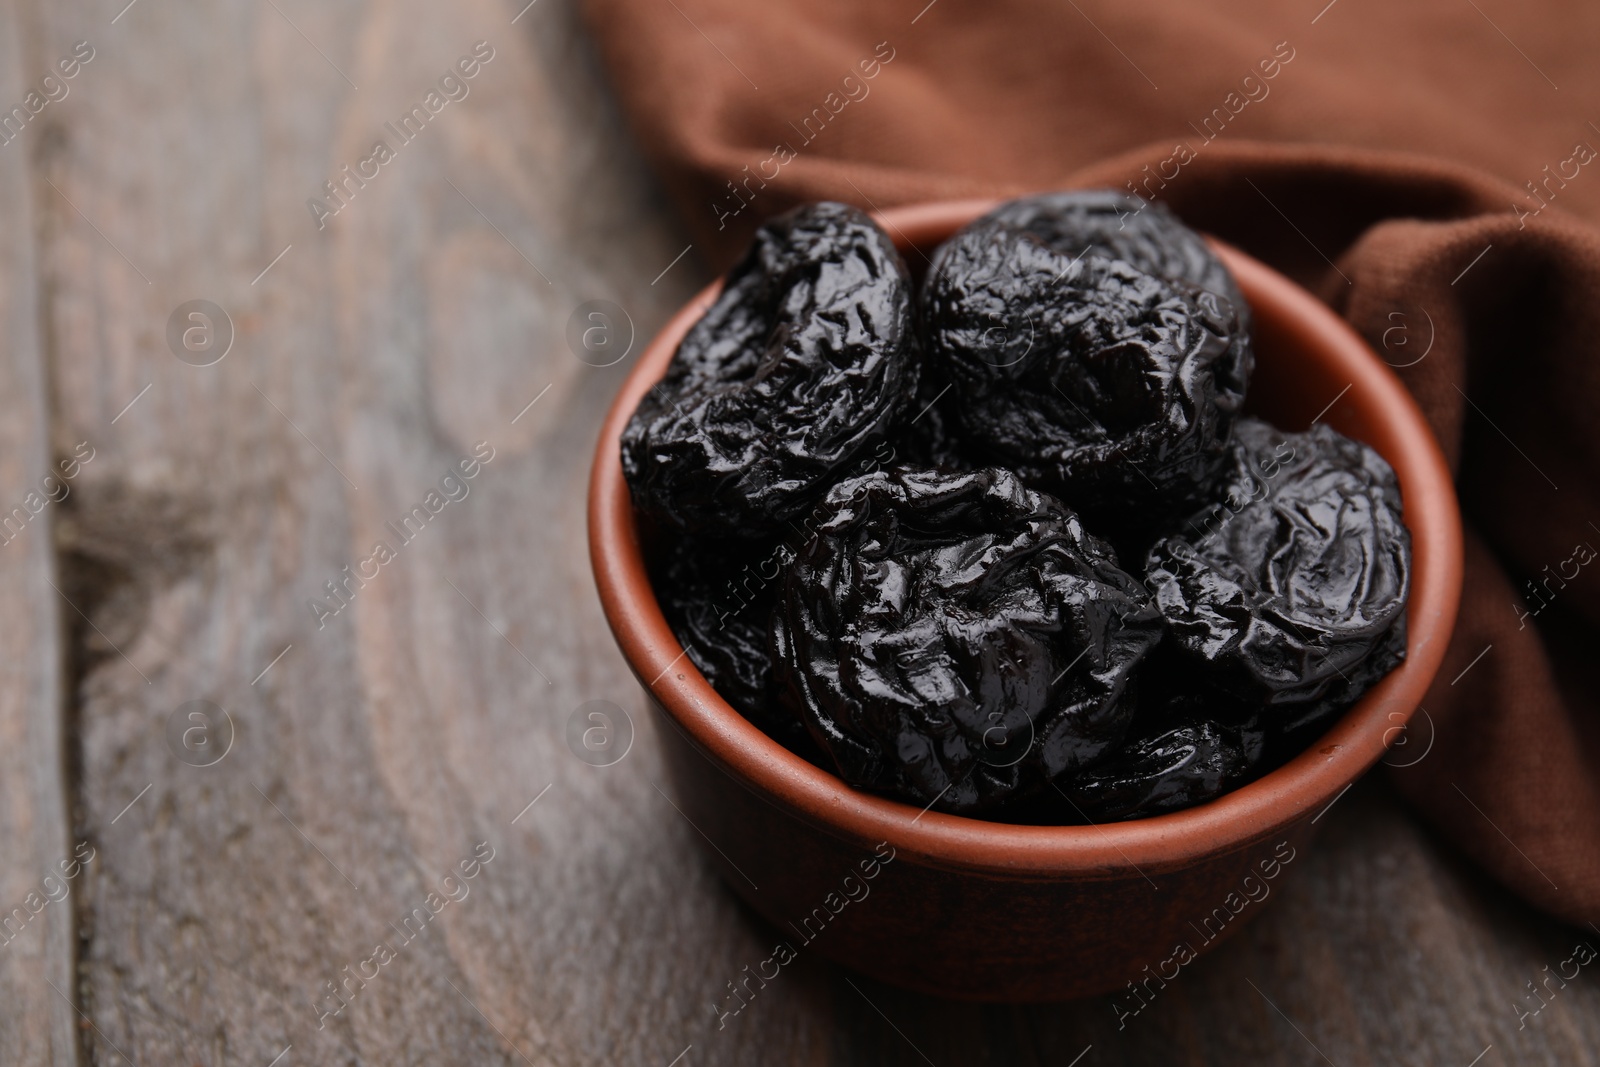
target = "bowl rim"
x: 1313, y: 780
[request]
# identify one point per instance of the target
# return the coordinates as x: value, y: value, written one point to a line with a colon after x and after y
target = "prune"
x: 718, y: 599
x: 1166, y: 772
x: 1110, y: 387
x: 931, y: 637
x: 937, y: 622
x: 807, y: 357
x: 1125, y: 227
x: 1291, y: 591
x: 1293, y: 723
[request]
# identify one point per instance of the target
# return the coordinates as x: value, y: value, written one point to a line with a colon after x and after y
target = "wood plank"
x: 37, y: 1023
x: 374, y: 748
x: 388, y: 742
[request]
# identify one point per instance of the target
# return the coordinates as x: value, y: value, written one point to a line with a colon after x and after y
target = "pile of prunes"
x: 1002, y: 543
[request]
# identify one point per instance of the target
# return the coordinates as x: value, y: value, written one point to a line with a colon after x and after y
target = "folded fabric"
x: 1480, y: 291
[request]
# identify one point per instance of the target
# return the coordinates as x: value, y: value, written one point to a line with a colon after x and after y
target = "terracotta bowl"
x: 960, y: 907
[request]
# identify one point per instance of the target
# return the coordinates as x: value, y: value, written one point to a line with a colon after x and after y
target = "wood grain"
x: 376, y: 748
x: 38, y: 1025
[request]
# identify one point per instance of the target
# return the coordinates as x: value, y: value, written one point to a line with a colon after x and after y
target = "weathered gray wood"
x: 373, y: 756
x: 37, y: 1024
x: 384, y: 745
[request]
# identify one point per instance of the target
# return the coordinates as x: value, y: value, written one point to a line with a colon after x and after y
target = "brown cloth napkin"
x: 1429, y: 169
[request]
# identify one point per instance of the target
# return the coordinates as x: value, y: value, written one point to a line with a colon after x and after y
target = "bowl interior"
x: 1310, y: 365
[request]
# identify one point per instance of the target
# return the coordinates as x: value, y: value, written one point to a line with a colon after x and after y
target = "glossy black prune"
x: 957, y: 639
x: 1110, y: 387
x: 718, y: 599
x: 1126, y: 227
x: 1295, y: 723
x: 807, y: 357
x: 1290, y: 592
x: 1175, y: 769
x: 866, y: 556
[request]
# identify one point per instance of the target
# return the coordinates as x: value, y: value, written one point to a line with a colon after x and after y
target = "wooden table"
x: 235, y: 860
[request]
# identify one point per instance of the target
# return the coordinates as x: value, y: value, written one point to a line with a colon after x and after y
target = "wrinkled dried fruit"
x: 1169, y: 771
x: 1107, y: 386
x: 718, y: 598
x: 957, y: 639
x: 1291, y: 591
x: 806, y: 358
x: 878, y: 558
x: 1125, y: 227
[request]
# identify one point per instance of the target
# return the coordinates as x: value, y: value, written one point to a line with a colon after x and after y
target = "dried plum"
x: 1290, y: 592
x: 806, y: 358
x: 1107, y: 386
x: 1125, y: 227
x: 718, y: 600
x: 1169, y: 771
x: 884, y: 559
x: 931, y: 637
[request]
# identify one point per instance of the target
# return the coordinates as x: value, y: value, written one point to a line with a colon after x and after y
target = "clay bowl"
x: 977, y: 910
